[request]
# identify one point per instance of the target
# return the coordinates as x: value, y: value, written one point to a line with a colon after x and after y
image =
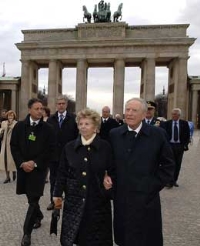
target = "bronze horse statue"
x: 118, y: 13
x: 86, y: 15
x: 95, y: 13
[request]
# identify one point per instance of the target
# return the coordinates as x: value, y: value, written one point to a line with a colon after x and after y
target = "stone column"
x: 34, y: 78
x: 14, y: 100
x: 81, y: 84
x: 1, y: 100
x: 26, y: 89
x: 182, y: 100
x: 194, y: 107
x: 54, y: 81
x: 118, y: 87
x: 147, y: 90
x: 178, y: 86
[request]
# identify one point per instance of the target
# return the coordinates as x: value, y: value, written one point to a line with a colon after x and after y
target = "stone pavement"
x: 180, y: 207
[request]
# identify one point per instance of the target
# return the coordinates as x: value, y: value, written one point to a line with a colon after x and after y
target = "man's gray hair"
x: 141, y: 100
x: 176, y: 110
x: 62, y: 97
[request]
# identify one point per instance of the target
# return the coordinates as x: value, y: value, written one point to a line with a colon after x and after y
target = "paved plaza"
x: 180, y: 206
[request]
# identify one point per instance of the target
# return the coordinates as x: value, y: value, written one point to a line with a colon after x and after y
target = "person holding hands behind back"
x: 84, y: 161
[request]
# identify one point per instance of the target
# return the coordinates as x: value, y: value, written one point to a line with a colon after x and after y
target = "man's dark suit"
x: 39, y: 149
x: 106, y: 127
x: 178, y: 147
x: 65, y: 134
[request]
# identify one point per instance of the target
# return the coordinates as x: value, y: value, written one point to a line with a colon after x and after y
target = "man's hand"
x: 28, y: 166
x: 107, y: 182
x: 57, y: 202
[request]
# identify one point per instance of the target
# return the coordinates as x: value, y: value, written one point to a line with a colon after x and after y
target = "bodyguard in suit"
x: 32, y: 143
x: 107, y: 123
x: 178, y: 132
x: 65, y: 129
x: 143, y: 164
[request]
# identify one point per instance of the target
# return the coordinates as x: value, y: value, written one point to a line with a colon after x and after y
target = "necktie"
x: 34, y: 123
x: 175, y: 132
x: 148, y: 121
x: 61, y: 120
x: 132, y: 134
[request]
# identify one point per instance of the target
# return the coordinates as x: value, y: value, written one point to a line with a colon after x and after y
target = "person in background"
x: 46, y: 113
x: 107, y: 123
x: 191, y: 126
x: 87, y: 211
x: 150, y: 115
x: 32, y: 144
x: 3, y: 115
x: 2, y: 118
x: 178, y: 132
x: 7, y: 163
x: 119, y: 119
x: 143, y: 165
x: 65, y: 129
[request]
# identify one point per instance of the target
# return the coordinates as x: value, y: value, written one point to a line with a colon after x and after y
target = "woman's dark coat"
x: 87, y: 211
x: 143, y: 166
x: 39, y: 151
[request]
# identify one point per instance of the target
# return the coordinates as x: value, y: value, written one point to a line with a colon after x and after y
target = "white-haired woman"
x: 87, y: 210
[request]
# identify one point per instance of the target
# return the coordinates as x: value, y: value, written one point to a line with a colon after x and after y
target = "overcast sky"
x: 39, y: 14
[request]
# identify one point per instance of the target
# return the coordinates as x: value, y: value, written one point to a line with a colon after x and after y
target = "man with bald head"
x: 107, y: 123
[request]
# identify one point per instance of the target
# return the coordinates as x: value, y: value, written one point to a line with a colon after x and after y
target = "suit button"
x: 84, y: 187
x: 84, y: 173
x: 88, y: 148
x: 85, y: 159
x: 83, y: 199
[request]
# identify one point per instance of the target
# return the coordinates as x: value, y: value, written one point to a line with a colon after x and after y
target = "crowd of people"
x: 92, y: 160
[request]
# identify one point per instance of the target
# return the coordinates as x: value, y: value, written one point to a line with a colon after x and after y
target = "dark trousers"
x: 53, y: 174
x: 178, y: 150
x: 32, y: 214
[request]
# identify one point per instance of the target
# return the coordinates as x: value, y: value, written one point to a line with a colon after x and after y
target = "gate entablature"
x: 107, y: 44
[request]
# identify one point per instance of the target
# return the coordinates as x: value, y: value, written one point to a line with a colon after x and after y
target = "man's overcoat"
x: 39, y: 149
x: 143, y: 165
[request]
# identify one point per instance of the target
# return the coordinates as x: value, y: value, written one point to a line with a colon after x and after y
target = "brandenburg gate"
x: 112, y: 44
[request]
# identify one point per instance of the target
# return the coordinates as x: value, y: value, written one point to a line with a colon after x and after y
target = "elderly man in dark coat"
x: 143, y: 163
x: 178, y: 132
x: 32, y: 143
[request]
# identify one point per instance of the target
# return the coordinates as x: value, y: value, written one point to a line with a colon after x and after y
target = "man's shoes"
x: 37, y: 224
x: 50, y: 206
x: 169, y: 186
x: 176, y: 185
x: 26, y: 240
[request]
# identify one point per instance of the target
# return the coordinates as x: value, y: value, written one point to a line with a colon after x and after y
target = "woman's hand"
x: 107, y: 182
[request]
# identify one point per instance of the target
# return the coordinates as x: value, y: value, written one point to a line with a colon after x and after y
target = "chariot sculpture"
x: 102, y: 13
